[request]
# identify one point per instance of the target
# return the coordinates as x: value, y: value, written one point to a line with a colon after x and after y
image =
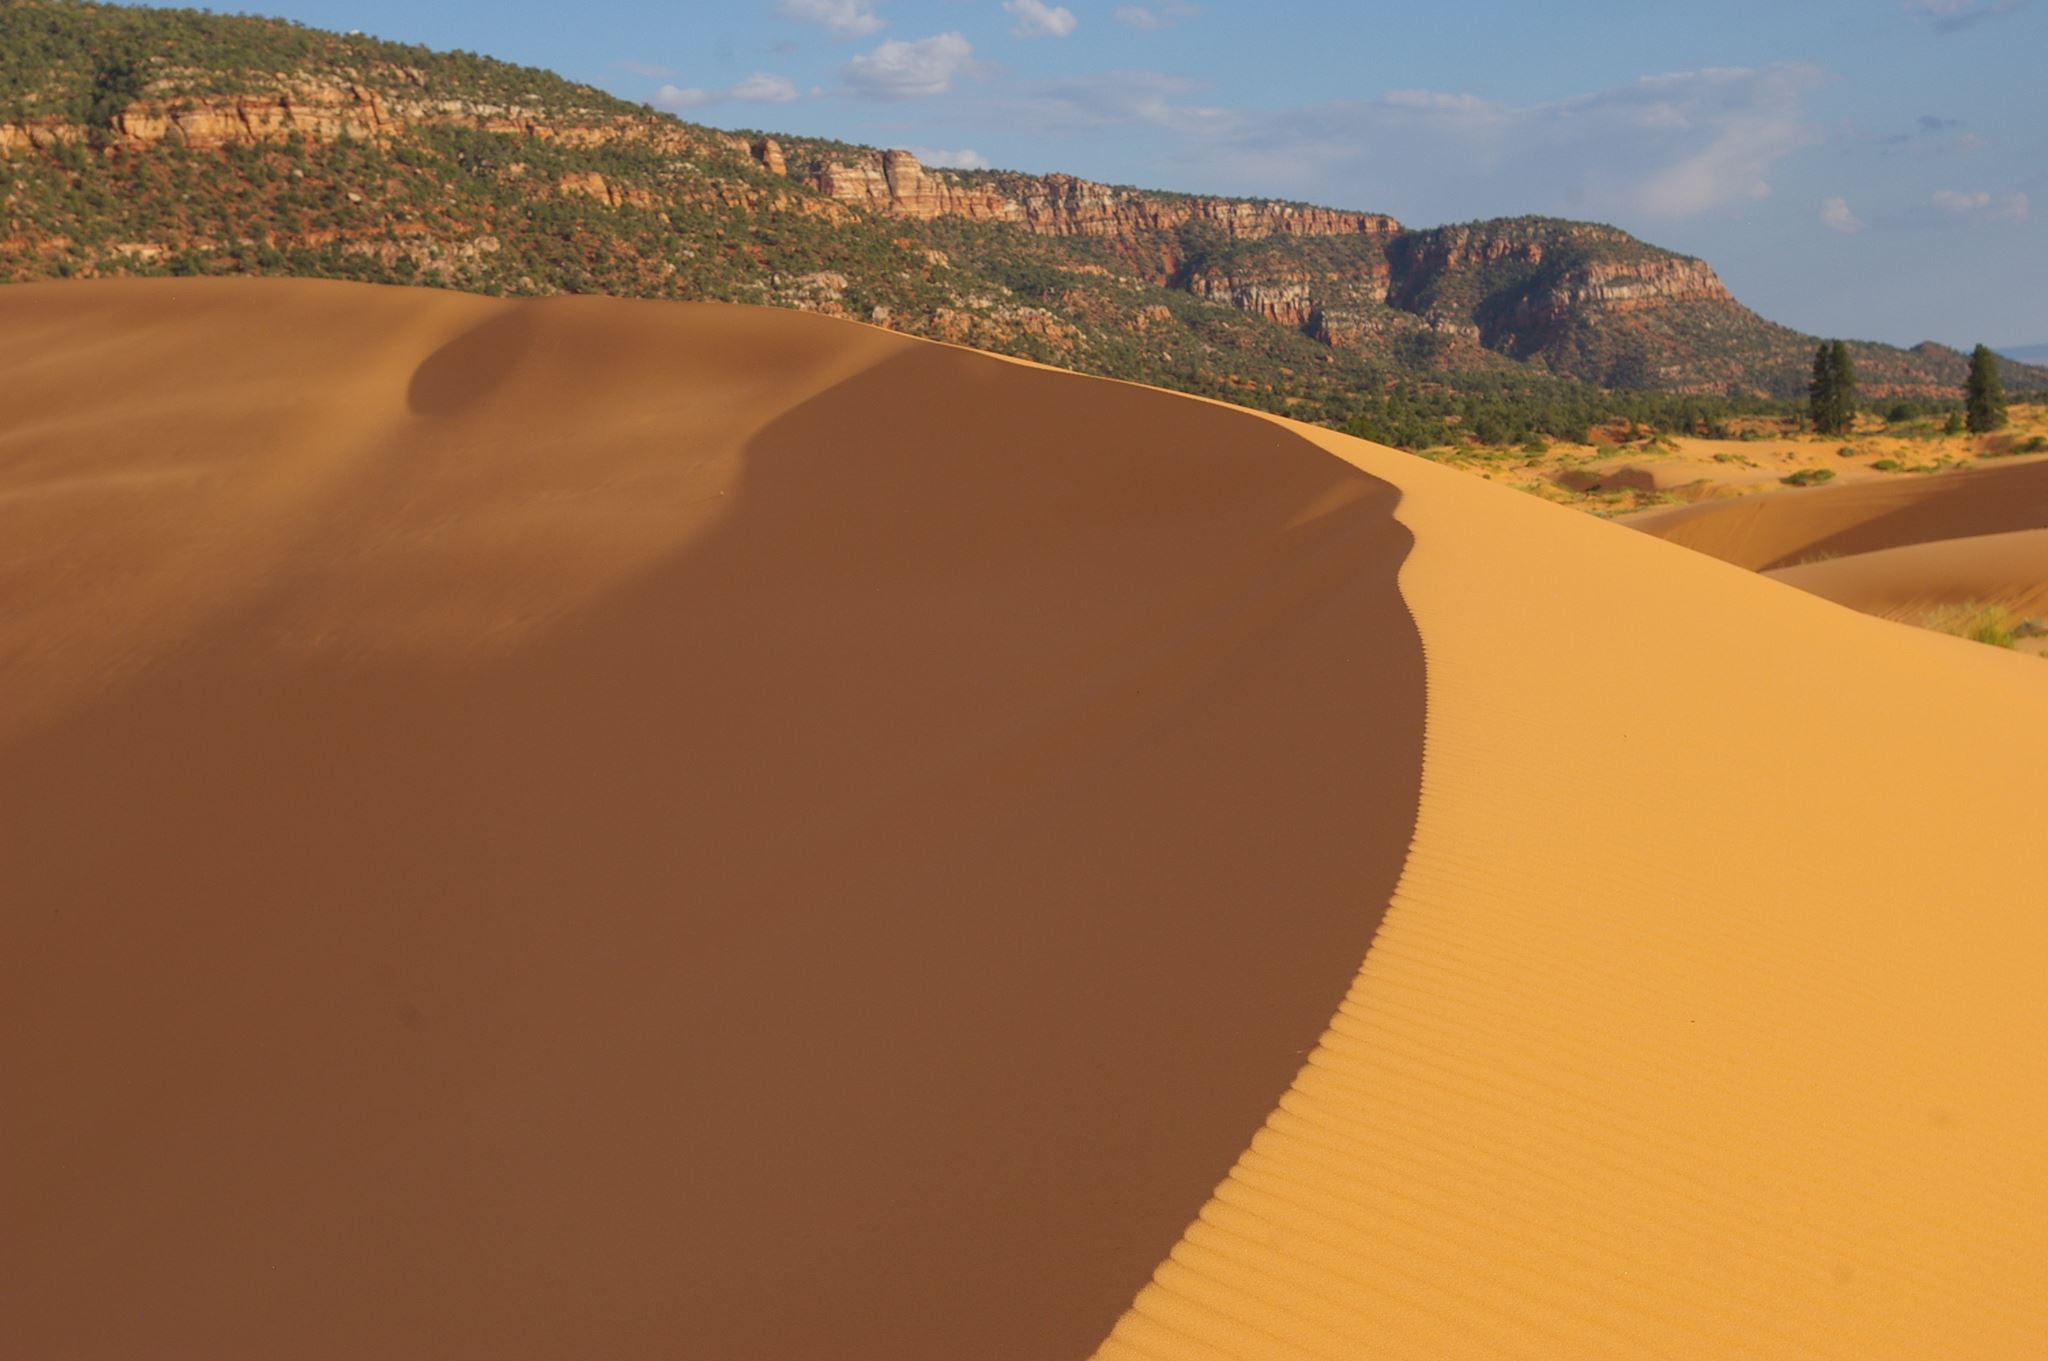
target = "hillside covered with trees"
x: 152, y: 141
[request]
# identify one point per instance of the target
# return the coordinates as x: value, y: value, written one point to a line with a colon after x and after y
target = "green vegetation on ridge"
x: 502, y: 179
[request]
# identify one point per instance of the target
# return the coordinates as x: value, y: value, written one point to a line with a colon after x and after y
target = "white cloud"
x: 759, y: 88
x: 1109, y: 99
x: 1979, y: 205
x: 1152, y: 18
x: 1951, y: 16
x: 910, y: 70
x: 1835, y: 213
x: 844, y: 18
x: 1036, y: 19
x: 966, y: 158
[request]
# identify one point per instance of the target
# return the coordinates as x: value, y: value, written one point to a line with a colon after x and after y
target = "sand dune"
x: 2008, y: 570
x: 585, y: 828
x: 1784, y: 529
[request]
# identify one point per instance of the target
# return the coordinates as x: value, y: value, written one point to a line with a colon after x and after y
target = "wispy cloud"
x: 1151, y: 18
x: 1036, y: 19
x: 647, y: 69
x: 842, y: 18
x: 1953, y: 16
x: 759, y: 88
x: 1103, y: 99
x: 910, y: 70
x: 1835, y: 213
x: 1982, y: 206
x: 966, y: 158
x: 1663, y: 147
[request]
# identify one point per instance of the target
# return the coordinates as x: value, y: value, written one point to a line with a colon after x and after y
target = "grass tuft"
x: 1979, y: 622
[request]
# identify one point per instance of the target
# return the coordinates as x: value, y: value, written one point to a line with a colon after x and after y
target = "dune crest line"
x: 1706, y: 1020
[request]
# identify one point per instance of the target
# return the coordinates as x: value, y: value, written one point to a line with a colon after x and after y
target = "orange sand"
x: 2007, y: 570
x: 1784, y: 529
x: 591, y: 829
x: 603, y: 829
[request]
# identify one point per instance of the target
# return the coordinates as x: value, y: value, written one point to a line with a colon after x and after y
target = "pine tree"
x: 1820, y: 393
x: 1986, y: 401
x: 1831, y: 397
x: 1845, y: 387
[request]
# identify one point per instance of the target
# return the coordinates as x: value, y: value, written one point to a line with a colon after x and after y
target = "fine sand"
x: 1784, y: 529
x: 591, y: 829
x: 598, y: 829
x: 2006, y: 570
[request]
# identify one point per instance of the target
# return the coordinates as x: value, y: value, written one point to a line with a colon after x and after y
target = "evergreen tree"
x: 1820, y: 393
x: 1986, y: 402
x: 1845, y: 387
x: 1831, y: 396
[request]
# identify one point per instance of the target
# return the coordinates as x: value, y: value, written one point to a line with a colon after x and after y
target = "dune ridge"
x: 1674, y: 1043
x: 1703, y: 1018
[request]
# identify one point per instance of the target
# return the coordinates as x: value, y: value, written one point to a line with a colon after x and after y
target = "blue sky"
x: 1873, y: 168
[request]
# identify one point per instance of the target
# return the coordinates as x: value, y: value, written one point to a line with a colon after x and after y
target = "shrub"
x: 1979, y: 622
x: 1809, y: 477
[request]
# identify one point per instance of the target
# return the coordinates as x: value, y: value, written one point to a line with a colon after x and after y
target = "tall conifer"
x: 1986, y: 395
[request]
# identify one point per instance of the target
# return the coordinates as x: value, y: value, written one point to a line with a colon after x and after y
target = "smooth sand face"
x: 2006, y: 570
x: 629, y: 830
x: 1784, y: 529
x: 1707, y: 1020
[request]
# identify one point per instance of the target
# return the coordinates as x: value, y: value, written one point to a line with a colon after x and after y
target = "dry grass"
x: 1977, y: 621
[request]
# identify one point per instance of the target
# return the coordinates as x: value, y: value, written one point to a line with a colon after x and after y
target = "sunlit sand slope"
x: 583, y: 829
x: 1707, y: 1020
x: 2007, y: 570
x: 1787, y: 528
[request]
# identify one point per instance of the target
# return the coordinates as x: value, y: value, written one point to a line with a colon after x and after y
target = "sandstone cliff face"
x: 317, y: 109
x: 1616, y: 286
x: 1289, y: 302
x: 325, y: 109
x: 590, y: 184
x: 894, y: 182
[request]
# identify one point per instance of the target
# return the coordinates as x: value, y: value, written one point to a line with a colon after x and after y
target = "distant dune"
x: 1905, y: 548
x: 2008, y: 570
x: 1786, y: 528
x: 582, y: 828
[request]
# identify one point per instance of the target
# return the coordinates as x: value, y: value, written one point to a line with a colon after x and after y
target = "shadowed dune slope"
x: 594, y: 829
x: 2008, y: 570
x: 1784, y: 529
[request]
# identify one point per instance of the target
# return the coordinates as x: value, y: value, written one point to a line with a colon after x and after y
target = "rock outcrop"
x: 894, y: 182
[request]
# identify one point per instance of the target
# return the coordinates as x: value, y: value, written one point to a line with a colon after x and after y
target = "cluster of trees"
x: 1411, y: 415
x: 1831, y: 396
